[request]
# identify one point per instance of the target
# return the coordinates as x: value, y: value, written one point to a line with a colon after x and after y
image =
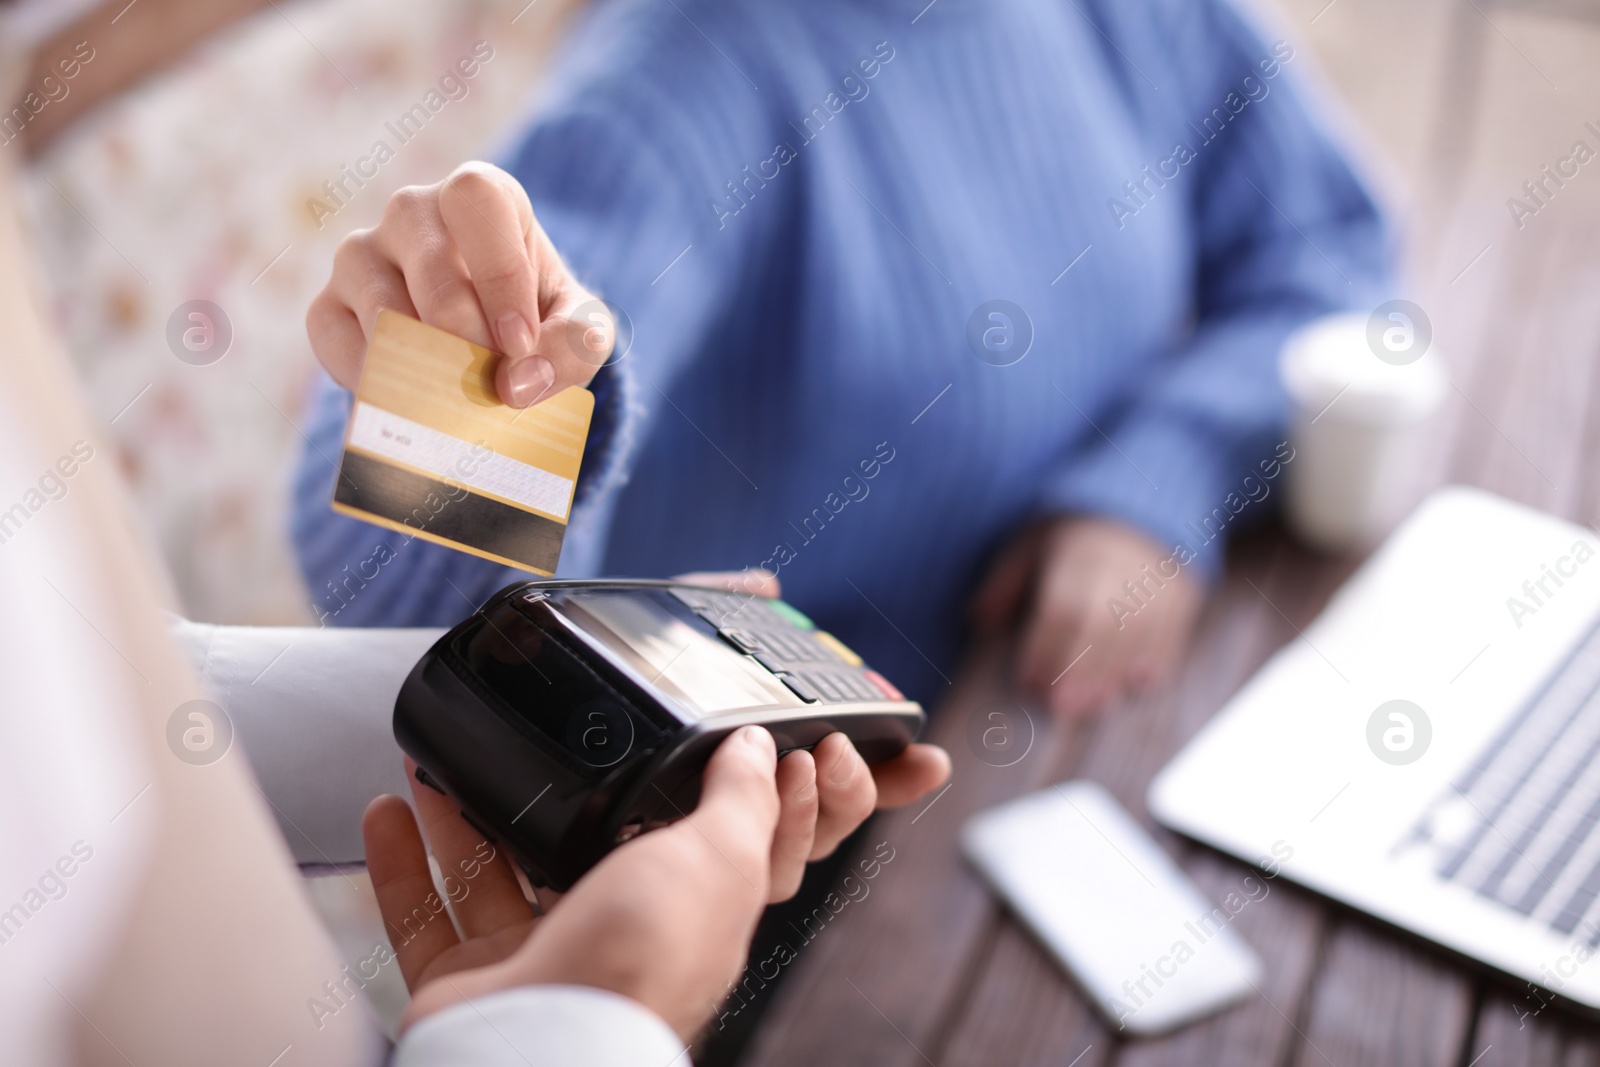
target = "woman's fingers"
x: 1072, y: 654
x: 1004, y: 589
x: 478, y: 880
x: 336, y: 338
x: 797, y: 823
x: 577, y: 336
x: 491, y: 223
x: 553, y: 332
x: 414, y: 915
x: 914, y: 773
x: 754, y: 581
x: 1172, y: 614
x: 1052, y: 645
x: 468, y: 256
x: 846, y: 792
x: 489, y: 217
x: 365, y: 281
x: 524, y: 382
x: 414, y: 236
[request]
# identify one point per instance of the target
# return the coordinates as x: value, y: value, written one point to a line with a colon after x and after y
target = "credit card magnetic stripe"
x: 435, y: 510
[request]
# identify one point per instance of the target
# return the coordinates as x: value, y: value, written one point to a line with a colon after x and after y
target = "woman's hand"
x: 1085, y: 639
x: 465, y: 255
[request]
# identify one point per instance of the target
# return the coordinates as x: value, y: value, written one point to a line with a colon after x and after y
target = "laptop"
x: 1428, y: 750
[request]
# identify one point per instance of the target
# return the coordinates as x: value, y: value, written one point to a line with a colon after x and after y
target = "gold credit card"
x: 431, y: 451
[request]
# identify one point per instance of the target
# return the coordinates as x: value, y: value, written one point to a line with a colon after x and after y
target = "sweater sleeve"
x: 1284, y: 232
x: 617, y: 169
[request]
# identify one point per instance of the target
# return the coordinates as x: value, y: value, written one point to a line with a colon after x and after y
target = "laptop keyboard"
x: 1521, y: 826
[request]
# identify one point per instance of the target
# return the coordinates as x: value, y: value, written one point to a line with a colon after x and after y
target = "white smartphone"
x: 1144, y: 945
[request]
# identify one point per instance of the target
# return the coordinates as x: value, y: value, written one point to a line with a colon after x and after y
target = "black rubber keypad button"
x: 801, y: 688
x: 743, y: 640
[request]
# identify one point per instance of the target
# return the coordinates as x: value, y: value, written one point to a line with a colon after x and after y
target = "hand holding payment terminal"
x: 568, y: 716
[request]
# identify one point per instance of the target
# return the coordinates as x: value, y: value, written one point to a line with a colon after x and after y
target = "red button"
x: 883, y: 684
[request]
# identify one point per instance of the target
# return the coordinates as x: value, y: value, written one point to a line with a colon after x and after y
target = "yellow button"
x: 839, y: 648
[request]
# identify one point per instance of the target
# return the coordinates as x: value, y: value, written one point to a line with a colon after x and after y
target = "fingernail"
x: 516, y: 338
x: 529, y: 379
x: 760, y: 739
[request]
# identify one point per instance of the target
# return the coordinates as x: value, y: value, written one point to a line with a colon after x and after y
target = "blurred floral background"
x: 196, y: 186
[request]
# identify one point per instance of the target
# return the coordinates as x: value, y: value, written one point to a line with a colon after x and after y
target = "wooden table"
x: 929, y: 969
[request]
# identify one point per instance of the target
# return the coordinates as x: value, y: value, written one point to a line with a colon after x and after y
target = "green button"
x: 792, y: 614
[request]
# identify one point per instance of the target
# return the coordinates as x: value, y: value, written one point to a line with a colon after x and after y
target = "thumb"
x: 578, y: 332
x: 738, y: 809
x: 575, y: 339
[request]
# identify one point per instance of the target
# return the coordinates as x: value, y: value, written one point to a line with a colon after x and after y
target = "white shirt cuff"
x: 543, y: 1026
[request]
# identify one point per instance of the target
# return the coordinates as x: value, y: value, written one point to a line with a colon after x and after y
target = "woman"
x: 898, y: 283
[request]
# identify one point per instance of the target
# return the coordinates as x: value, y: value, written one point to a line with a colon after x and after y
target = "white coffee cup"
x: 1363, y: 388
